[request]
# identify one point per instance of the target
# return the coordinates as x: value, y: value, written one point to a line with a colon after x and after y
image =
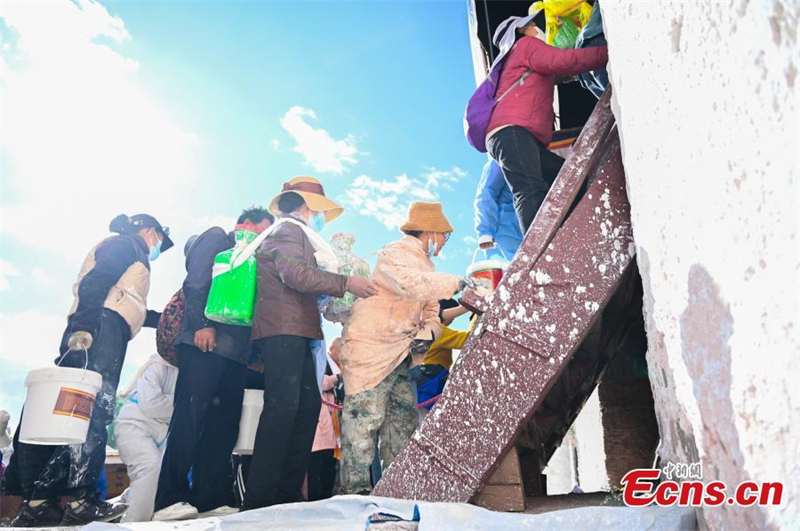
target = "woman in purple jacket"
x: 521, y: 126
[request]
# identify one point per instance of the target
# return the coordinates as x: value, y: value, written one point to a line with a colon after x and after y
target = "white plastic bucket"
x: 58, y: 405
x: 252, y: 405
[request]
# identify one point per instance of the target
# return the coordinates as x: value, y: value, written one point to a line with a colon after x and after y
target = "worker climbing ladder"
x: 539, y: 348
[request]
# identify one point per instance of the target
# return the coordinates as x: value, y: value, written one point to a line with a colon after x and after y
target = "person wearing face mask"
x: 382, y: 336
x: 295, y: 268
x: 109, y: 309
x: 213, y: 359
x: 521, y: 125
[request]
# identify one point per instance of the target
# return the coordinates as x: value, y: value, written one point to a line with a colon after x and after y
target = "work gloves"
x: 473, y: 283
x: 80, y: 341
x: 420, y: 346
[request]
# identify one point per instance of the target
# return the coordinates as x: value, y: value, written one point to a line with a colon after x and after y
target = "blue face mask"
x: 317, y: 221
x: 155, y: 251
x: 431, y: 248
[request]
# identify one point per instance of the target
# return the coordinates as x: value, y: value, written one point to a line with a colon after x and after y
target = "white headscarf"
x: 506, y: 34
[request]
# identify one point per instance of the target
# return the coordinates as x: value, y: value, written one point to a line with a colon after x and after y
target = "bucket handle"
x: 496, y: 246
x: 85, y: 359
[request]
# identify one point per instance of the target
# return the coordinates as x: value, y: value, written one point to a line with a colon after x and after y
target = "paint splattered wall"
x: 706, y: 97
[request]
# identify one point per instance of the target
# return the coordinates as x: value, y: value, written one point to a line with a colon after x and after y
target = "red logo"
x: 641, y: 487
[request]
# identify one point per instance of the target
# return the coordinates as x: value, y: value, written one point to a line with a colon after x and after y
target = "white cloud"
x: 276, y: 144
x: 318, y: 148
x: 31, y: 339
x: 84, y: 140
x: 388, y: 200
x: 42, y: 277
x: 7, y: 270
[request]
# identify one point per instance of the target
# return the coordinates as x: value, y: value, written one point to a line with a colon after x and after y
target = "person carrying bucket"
x: 496, y: 223
x: 109, y: 309
x: 380, y: 338
x: 213, y: 359
x: 287, y: 331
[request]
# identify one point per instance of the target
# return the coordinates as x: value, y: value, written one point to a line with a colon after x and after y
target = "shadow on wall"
x: 706, y: 328
x: 677, y: 436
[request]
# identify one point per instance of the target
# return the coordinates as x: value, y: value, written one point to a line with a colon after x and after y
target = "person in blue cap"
x: 109, y: 309
x: 496, y: 222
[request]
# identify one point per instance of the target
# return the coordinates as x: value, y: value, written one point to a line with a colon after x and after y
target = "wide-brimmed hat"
x: 312, y: 192
x: 424, y: 217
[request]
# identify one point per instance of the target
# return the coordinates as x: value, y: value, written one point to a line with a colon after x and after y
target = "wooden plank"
x: 505, y: 498
x: 508, y: 472
x: 557, y: 287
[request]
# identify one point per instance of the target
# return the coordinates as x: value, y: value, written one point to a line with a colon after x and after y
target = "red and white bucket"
x: 489, y: 269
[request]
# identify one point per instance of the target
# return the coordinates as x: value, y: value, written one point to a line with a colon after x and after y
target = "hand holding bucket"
x: 59, y: 404
x: 490, y: 269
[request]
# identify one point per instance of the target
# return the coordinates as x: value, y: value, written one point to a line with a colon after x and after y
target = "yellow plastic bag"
x: 563, y: 20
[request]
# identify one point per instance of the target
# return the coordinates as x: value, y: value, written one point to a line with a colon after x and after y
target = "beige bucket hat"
x: 312, y: 192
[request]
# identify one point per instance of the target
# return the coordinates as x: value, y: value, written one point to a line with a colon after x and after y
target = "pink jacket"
x: 530, y: 105
x: 381, y: 328
x: 325, y: 438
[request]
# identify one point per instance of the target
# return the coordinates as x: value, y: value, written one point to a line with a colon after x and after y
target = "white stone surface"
x: 588, y: 428
x: 706, y: 98
x: 346, y: 513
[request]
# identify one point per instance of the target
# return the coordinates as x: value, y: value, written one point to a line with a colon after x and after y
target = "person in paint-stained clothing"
x: 380, y: 338
x: 109, y: 309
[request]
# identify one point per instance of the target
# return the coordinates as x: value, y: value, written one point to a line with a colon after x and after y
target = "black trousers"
x: 529, y: 168
x: 40, y: 472
x: 321, y: 475
x: 287, y: 425
x: 203, y: 431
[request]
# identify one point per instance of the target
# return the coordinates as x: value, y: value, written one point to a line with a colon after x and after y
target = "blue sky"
x: 191, y: 111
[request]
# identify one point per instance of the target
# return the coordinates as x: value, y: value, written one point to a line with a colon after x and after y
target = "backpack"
x: 169, y: 327
x: 482, y: 103
x: 169, y: 324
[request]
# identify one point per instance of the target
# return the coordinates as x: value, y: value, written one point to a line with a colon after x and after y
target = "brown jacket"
x: 288, y: 284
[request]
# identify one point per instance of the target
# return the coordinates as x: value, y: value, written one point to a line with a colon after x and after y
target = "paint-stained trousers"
x: 45, y: 472
x: 202, y: 432
x: 529, y: 168
x: 387, y: 410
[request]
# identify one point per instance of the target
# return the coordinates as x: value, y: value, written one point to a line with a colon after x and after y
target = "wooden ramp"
x: 538, y: 349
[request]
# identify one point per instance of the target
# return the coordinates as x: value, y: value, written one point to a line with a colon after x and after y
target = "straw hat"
x: 312, y: 192
x: 426, y: 217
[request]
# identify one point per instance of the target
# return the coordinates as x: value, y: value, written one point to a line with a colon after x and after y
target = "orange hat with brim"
x: 312, y: 192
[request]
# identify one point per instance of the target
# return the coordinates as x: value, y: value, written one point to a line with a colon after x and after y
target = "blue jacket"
x: 495, y: 217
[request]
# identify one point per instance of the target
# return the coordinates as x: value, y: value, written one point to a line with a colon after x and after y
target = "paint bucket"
x: 491, y: 270
x: 252, y: 405
x: 58, y: 405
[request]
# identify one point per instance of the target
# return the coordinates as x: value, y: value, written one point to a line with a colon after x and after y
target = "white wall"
x: 706, y: 97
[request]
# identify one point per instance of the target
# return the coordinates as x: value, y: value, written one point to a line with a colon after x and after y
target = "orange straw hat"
x: 424, y: 217
x: 312, y: 192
